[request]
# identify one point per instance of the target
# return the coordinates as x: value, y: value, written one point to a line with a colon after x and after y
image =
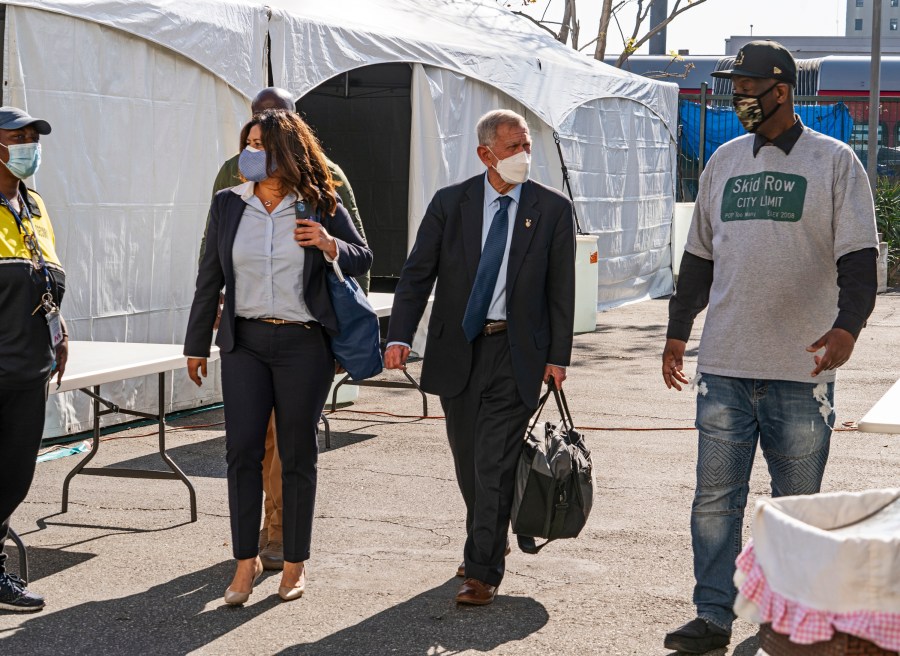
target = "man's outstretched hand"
x: 673, y: 363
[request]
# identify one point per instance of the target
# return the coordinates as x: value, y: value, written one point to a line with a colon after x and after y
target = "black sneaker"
x: 16, y: 597
x: 697, y: 637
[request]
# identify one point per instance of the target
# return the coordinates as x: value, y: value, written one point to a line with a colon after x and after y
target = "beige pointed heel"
x: 289, y: 593
x: 233, y: 598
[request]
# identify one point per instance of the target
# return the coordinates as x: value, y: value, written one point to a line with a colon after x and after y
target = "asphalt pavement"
x: 126, y: 572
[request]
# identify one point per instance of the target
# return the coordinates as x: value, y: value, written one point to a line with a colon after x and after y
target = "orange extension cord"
x: 847, y: 426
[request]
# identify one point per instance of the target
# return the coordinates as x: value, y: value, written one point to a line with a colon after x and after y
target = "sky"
x: 703, y: 29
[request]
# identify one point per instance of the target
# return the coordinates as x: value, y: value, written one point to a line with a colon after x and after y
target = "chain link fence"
x: 706, y: 121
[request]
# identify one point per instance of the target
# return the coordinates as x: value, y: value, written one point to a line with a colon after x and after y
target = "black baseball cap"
x: 13, y: 118
x: 763, y: 59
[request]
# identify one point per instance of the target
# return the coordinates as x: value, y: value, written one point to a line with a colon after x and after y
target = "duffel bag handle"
x: 537, y: 413
x: 561, y: 404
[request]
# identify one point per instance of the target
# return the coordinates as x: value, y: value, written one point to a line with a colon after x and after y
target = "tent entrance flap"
x: 363, y: 120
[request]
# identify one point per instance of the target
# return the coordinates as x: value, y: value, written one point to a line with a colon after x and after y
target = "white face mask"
x: 515, y: 169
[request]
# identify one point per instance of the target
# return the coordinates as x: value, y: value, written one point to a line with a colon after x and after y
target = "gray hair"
x: 487, y: 125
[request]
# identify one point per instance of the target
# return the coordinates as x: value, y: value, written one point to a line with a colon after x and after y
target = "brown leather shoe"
x: 461, y: 570
x: 272, y: 556
x: 476, y: 593
x: 263, y: 538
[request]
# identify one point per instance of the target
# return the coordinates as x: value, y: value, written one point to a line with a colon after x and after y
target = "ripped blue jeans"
x: 792, y: 423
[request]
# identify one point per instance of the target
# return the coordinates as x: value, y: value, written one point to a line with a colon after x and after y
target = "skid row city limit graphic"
x: 768, y: 195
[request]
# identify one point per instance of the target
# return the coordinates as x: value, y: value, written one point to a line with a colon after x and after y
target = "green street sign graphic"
x: 768, y: 196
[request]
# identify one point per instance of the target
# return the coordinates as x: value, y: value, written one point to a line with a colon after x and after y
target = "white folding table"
x: 884, y: 417
x: 90, y: 365
x: 382, y: 303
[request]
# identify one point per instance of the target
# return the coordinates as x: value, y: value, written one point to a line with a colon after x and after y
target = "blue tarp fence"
x: 723, y: 125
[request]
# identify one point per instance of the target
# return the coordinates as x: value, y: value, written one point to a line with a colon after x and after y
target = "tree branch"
x: 536, y: 22
x: 637, y: 44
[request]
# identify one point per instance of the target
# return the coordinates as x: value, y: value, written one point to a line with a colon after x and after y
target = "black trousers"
x: 486, y: 428
x: 288, y: 368
x: 21, y: 428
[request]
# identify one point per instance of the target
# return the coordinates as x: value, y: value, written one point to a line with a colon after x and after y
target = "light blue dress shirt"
x: 268, y: 263
x: 497, y: 309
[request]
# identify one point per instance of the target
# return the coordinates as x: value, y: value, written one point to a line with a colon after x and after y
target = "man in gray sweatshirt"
x: 782, y: 247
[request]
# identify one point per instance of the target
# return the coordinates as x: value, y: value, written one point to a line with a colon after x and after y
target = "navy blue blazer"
x: 216, y: 271
x: 540, y: 286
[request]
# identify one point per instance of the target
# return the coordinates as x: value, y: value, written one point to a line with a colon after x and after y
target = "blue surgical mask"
x: 252, y: 164
x: 24, y: 159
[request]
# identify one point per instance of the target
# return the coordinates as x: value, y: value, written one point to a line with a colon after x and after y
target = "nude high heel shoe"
x: 233, y: 598
x: 289, y: 593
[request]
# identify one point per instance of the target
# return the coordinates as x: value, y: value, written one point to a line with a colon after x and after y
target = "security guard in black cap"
x: 33, y: 339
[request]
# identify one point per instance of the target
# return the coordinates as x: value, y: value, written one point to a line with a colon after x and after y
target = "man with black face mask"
x: 782, y: 247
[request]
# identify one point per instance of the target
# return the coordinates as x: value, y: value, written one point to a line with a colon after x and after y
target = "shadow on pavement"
x: 432, y: 623
x: 170, y: 618
x: 748, y: 647
x: 43, y: 562
x: 207, y: 458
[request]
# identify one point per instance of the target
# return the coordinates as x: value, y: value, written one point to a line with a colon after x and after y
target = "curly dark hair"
x: 301, y: 164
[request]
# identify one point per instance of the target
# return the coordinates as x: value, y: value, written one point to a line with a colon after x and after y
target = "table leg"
x: 324, y: 420
x: 121, y: 472
x: 334, y: 392
x: 23, y: 555
x: 95, y: 446
x: 415, y: 384
x: 162, y: 447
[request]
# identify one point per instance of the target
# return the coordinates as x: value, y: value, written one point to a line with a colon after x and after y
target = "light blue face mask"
x: 252, y: 163
x: 24, y: 159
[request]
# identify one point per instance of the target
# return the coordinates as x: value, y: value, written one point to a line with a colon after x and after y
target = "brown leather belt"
x: 493, y: 327
x: 283, y: 322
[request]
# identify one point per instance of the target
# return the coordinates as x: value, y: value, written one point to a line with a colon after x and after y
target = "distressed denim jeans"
x: 792, y: 423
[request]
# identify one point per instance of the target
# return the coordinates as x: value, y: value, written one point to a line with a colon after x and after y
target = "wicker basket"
x: 842, y: 644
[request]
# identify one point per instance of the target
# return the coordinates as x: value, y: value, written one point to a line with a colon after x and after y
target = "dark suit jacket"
x: 540, y: 285
x: 216, y: 271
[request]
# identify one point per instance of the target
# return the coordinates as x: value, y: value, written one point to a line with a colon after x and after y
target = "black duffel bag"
x: 554, y: 480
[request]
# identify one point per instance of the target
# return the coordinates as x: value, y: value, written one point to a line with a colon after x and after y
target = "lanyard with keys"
x: 47, y: 304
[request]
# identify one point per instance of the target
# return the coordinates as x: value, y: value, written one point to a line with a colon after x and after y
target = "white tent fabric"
x: 138, y: 134
x: 617, y: 129
x: 314, y: 40
x: 147, y: 96
x: 226, y: 37
x: 621, y: 162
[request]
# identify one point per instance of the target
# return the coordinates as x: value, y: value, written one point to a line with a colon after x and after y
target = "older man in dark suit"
x: 502, y: 248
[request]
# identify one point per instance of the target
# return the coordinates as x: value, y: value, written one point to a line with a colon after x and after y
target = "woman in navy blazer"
x: 275, y: 327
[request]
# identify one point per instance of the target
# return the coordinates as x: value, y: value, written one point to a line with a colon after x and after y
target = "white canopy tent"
x: 146, y: 98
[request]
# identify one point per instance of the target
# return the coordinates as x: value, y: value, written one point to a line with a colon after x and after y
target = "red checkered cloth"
x: 804, y: 625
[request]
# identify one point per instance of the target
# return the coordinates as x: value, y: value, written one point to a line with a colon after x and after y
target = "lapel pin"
x: 527, y: 223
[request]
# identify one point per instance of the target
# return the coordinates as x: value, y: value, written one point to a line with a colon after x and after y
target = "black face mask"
x: 750, y: 111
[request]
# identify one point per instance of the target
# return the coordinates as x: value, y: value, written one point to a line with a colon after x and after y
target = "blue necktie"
x: 488, y: 269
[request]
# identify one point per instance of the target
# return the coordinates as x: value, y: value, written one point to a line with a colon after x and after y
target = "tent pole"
x: 874, y: 93
x: 565, y: 173
x: 704, y: 89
